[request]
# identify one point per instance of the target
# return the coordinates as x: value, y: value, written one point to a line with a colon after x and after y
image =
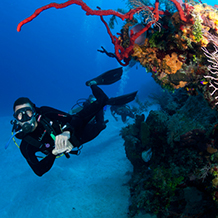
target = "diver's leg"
x: 131, y: 114
x: 91, y: 131
x: 87, y: 113
x: 100, y: 116
x: 99, y: 95
x: 123, y: 117
x: 93, y: 128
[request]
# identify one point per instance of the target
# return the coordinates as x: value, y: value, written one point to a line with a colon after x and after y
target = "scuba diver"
x: 123, y: 110
x: 53, y: 133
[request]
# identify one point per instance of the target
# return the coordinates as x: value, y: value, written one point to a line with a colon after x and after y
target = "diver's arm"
x: 39, y: 167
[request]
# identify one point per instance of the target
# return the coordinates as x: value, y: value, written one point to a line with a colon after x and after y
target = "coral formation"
x: 182, y: 174
x: 173, y: 51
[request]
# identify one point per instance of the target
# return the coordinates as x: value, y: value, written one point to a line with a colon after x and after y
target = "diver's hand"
x: 61, y: 140
x: 62, y: 143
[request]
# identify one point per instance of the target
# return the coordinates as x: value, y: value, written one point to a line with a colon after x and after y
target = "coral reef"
x: 176, y: 52
x: 179, y: 38
x: 181, y: 177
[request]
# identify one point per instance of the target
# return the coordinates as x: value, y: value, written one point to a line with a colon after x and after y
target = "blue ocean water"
x: 52, y: 57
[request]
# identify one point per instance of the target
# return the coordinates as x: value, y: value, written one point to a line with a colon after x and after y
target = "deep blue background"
x: 52, y: 57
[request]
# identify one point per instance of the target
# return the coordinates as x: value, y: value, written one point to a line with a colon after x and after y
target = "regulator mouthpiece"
x: 27, y: 127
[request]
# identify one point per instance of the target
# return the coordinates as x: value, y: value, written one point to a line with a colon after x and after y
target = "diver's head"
x: 24, y: 113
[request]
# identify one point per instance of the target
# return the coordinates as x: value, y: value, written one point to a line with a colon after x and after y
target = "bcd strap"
x: 32, y: 141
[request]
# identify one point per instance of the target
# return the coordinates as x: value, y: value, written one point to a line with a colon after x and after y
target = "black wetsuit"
x: 81, y: 131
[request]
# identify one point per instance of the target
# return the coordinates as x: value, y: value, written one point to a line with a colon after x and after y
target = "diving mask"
x: 24, y: 114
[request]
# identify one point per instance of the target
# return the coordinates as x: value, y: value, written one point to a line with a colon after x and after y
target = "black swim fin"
x: 107, y: 78
x: 123, y: 99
